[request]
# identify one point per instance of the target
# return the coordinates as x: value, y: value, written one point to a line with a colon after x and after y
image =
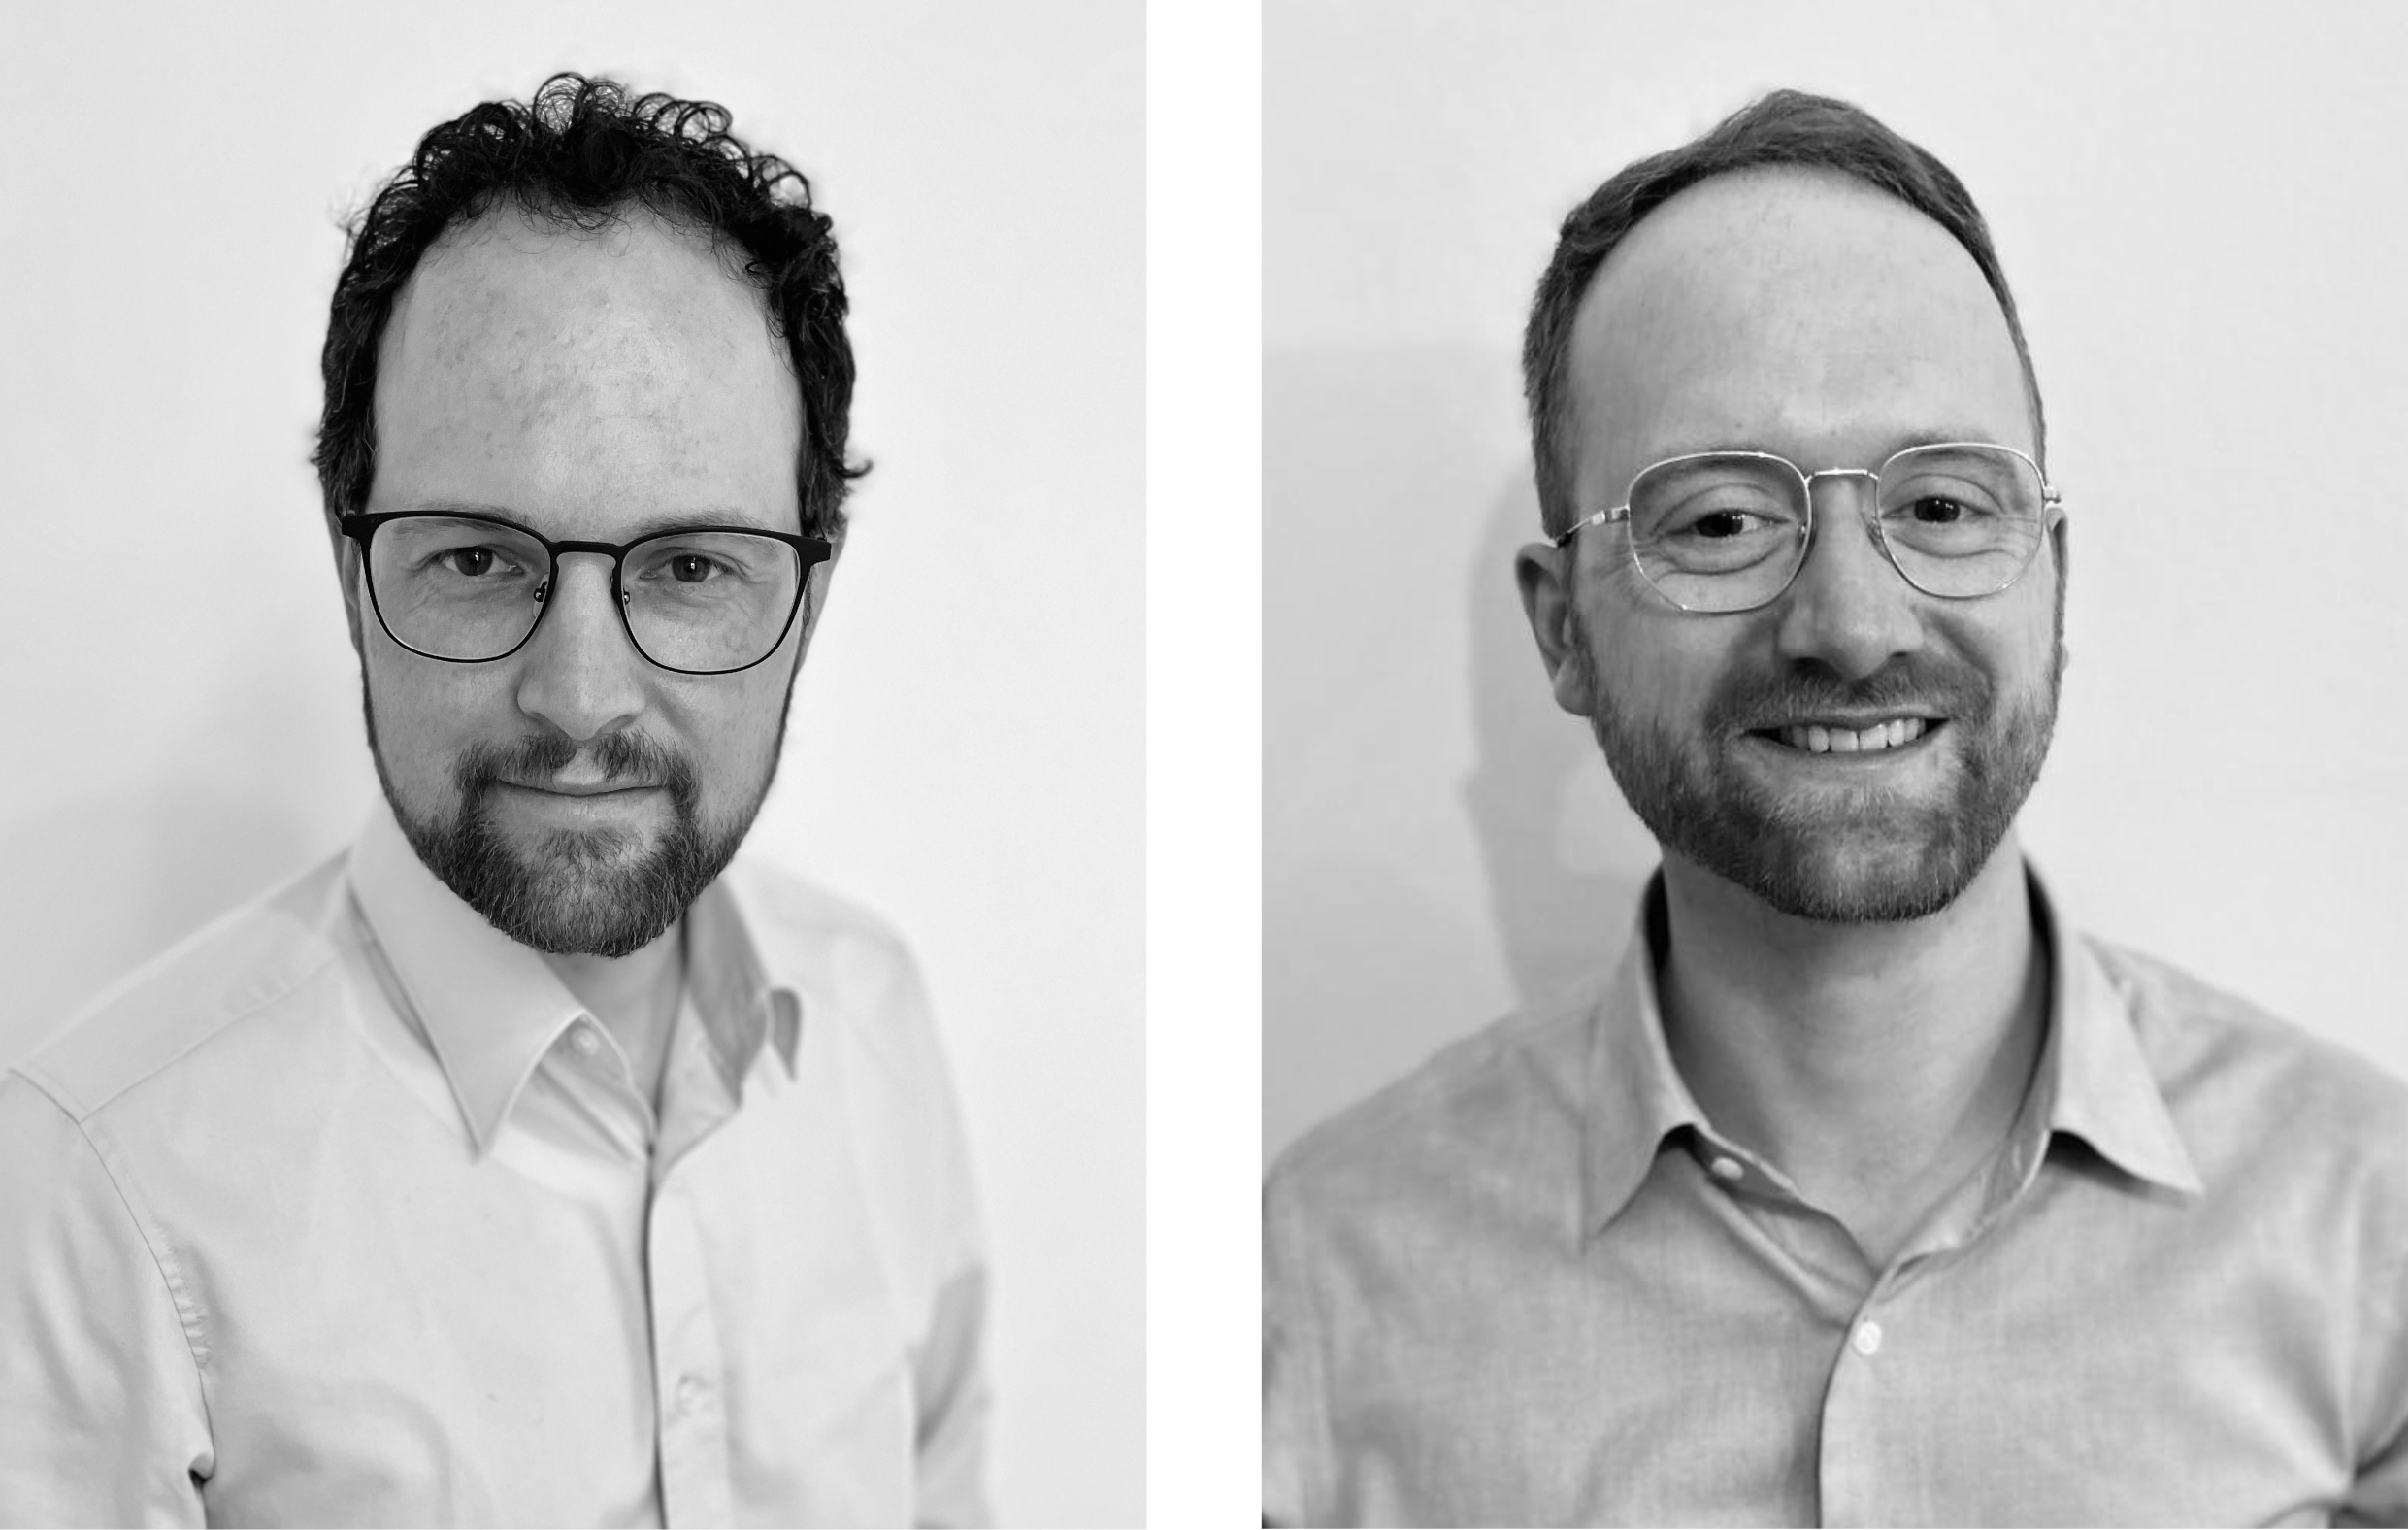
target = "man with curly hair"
x: 534, y: 1159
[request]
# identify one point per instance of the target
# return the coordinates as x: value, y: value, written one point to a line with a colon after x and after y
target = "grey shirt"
x: 1532, y: 1285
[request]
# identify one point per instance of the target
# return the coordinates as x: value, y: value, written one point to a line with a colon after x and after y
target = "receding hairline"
x: 504, y: 222
x: 622, y: 223
x: 1642, y: 250
x: 1782, y: 127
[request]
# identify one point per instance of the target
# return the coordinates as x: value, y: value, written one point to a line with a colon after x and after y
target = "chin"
x: 570, y: 853
x: 1856, y: 882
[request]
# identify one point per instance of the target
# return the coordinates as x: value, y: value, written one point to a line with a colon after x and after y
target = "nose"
x: 1848, y: 608
x: 579, y: 672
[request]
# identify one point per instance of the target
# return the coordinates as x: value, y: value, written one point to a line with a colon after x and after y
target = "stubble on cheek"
x: 1866, y: 853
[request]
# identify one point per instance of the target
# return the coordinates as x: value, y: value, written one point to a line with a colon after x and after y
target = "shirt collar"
x: 1636, y: 1096
x: 2092, y: 1082
x: 491, y: 1008
x: 2097, y: 1081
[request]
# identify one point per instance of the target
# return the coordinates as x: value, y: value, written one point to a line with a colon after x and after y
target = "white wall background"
x: 177, y: 700
x: 2203, y: 212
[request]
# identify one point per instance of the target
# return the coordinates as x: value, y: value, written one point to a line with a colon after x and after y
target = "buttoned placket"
x: 1866, y: 1391
x: 689, y: 1357
x: 1861, y: 1395
x: 688, y: 1364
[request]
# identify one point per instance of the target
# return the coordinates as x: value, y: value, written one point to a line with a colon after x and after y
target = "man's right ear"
x: 1544, y: 571
x: 347, y: 569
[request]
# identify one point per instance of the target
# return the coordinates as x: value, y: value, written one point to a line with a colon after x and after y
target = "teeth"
x: 1815, y: 739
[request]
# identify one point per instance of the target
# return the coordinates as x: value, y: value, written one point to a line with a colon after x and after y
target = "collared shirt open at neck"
x: 345, y: 1210
x: 1531, y: 1284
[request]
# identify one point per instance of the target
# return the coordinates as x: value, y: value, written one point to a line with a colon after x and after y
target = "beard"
x: 1846, y: 856
x: 574, y: 892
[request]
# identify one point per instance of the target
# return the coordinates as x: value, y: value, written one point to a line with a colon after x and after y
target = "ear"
x: 347, y: 570
x: 2059, y: 540
x: 816, y: 584
x: 1544, y: 572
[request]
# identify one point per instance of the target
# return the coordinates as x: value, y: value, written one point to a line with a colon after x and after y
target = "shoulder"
x: 1507, y: 1096
x: 202, y: 988
x: 2215, y: 1050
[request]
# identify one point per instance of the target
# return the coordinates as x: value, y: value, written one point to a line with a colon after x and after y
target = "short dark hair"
x: 1787, y: 127
x: 578, y: 154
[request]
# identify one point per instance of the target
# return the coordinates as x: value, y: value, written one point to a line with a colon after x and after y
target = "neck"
x: 1878, y: 1065
x: 635, y: 998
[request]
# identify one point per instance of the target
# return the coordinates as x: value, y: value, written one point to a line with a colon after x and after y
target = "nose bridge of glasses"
x: 561, y: 552
x: 1871, y: 479
x: 1824, y: 547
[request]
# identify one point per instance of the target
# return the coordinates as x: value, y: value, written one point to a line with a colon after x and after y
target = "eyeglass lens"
x: 472, y: 590
x: 1726, y: 531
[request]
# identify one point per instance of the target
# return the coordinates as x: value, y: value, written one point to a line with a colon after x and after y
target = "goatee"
x: 575, y: 892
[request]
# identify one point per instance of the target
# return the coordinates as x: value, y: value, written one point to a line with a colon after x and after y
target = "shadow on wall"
x: 1566, y: 857
x: 1372, y: 953
x: 1441, y: 843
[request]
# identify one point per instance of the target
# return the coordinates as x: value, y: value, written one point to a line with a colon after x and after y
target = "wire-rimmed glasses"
x: 471, y: 589
x: 1728, y: 531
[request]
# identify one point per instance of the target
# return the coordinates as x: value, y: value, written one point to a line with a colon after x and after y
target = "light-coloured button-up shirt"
x: 1532, y: 1284
x: 344, y: 1211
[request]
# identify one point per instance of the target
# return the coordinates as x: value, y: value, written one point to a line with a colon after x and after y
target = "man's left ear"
x: 815, y: 586
x: 2059, y: 540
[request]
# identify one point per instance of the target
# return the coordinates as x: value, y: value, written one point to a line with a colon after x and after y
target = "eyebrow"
x: 650, y: 526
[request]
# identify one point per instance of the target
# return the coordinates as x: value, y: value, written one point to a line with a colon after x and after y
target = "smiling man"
x: 1866, y: 1190
x: 533, y: 1160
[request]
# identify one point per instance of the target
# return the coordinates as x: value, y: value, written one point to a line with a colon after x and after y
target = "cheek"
x: 2025, y: 646
x: 425, y: 710
x: 1653, y: 668
x: 731, y: 731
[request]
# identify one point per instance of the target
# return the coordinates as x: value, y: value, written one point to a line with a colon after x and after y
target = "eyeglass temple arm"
x: 1602, y: 517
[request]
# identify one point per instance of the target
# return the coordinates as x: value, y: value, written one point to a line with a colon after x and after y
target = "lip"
x: 580, y: 791
x: 1842, y: 759
x: 1852, y: 722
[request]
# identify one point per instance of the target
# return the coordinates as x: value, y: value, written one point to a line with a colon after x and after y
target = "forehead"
x: 1801, y: 311
x: 584, y: 381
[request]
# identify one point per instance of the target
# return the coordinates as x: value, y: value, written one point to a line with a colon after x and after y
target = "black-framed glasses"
x: 1727, y: 531
x: 470, y: 588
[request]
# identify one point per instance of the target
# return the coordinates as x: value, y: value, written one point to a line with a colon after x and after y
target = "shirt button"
x: 585, y: 1041
x: 1867, y: 1339
x: 1727, y: 1170
x: 690, y: 1392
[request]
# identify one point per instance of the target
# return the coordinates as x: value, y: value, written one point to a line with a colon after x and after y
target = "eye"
x: 1717, y: 525
x: 470, y: 562
x: 691, y: 568
x: 1933, y: 510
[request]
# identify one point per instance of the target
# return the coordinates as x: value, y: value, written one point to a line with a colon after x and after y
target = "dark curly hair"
x: 577, y: 154
x: 1787, y: 127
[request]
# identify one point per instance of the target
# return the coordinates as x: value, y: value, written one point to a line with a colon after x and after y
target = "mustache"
x: 1931, y: 684
x: 625, y: 759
